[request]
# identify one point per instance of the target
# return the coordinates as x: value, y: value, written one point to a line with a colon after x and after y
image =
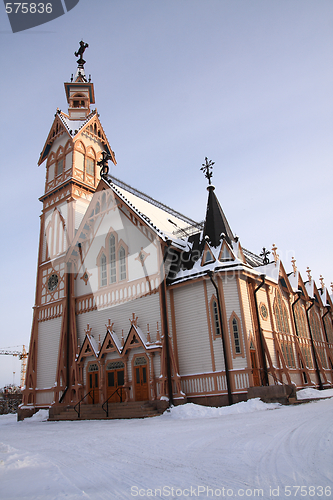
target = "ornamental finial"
x: 321, y: 279
x: 275, y: 254
x: 79, y: 54
x: 207, y: 168
x: 293, y: 262
x: 308, y: 270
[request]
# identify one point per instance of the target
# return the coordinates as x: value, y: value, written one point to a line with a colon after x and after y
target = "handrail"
x: 79, y: 403
x: 107, y: 401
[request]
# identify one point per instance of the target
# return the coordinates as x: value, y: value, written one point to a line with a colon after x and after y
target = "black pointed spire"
x: 216, y: 222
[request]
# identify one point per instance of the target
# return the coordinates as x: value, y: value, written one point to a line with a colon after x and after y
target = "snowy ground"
x: 248, y: 450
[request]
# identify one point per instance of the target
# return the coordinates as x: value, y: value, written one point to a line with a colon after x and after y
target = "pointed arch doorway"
x: 115, y: 376
x: 140, y: 373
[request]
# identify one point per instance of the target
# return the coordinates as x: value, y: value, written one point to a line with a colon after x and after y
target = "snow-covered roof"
x: 163, y: 218
x: 73, y: 126
x: 271, y: 270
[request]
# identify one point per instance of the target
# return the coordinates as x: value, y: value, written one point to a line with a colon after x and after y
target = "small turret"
x: 80, y: 91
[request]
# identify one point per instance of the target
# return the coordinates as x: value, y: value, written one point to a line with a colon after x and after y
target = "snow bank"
x: 191, y: 410
x: 311, y: 393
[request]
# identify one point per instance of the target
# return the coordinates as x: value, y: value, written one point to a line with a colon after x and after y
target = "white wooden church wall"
x: 48, y: 349
x: 249, y: 328
x: 80, y: 208
x: 217, y: 342
x: 192, y: 329
x: 232, y: 305
x: 133, y: 239
x: 147, y: 309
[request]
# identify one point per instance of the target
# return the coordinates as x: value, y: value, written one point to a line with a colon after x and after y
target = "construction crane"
x: 22, y: 355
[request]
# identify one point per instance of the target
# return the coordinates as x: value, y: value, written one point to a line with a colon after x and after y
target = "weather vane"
x: 80, y: 52
x: 103, y: 163
x: 207, y: 167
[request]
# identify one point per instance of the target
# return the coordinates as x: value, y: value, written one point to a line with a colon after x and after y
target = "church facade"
x: 137, y: 302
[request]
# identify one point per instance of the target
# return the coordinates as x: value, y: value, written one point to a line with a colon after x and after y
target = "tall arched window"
x: 60, y: 163
x: 113, y: 267
x: 104, y: 280
x: 302, y: 330
x: 215, y: 317
x: 235, y: 332
x: 281, y: 315
x: 315, y: 326
x: 122, y: 263
x: 282, y: 324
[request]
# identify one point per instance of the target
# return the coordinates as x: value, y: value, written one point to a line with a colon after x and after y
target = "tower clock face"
x: 52, y: 282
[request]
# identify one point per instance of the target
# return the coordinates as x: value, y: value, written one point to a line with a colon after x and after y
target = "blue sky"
x: 247, y: 83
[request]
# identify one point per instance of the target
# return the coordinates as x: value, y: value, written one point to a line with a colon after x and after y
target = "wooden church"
x: 136, y: 302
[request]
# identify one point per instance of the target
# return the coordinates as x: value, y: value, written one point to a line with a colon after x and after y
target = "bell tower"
x: 74, y: 145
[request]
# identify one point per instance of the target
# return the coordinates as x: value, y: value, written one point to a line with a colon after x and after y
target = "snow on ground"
x: 248, y: 450
x: 311, y: 393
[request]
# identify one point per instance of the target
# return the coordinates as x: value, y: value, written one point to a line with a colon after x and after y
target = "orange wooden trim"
x: 210, y: 335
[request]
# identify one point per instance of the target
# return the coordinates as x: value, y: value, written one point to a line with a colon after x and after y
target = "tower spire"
x: 216, y: 222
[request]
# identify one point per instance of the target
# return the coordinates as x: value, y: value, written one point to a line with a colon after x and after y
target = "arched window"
x: 60, y: 163
x: 302, y: 330
x: 281, y: 315
x: 282, y: 324
x: 216, y: 318
x: 122, y: 263
x: 315, y: 326
x: 113, y: 267
x: 329, y: 330
x: 103, y: 271
x: 235, y: 332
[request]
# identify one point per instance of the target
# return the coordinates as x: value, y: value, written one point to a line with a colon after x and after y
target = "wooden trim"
x: 209, y: 328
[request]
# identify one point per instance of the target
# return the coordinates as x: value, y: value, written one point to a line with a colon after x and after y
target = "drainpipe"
x: 328, y: 307
x: 68, y: 300
x: 165, y: 324
x: 266, y: 381
x: 313, y: 346
x: 227, y: 373
x: 293, y: 308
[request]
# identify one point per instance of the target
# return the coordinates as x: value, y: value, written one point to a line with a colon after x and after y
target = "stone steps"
x: 131, y: 409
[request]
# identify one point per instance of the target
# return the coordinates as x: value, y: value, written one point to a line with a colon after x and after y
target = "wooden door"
x: 93, y: 397
x: 115, y: 380
x: 255, y: 371
x: 141, y: 383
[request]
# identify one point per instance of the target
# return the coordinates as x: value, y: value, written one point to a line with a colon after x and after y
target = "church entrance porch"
x: 140, y: 374
x: 115, y: 376
x: 93, y: 384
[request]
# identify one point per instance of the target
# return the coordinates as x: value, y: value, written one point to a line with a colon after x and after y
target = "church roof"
x: 165, y: 220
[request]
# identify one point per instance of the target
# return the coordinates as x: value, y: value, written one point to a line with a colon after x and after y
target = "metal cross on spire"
x: 207, y: 168
x: 264, y: 254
